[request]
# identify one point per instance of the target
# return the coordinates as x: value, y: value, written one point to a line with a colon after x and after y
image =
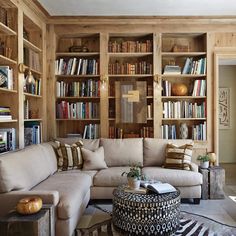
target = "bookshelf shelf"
x: 8, y: 90
x: 77, y: 54
x: 130, y: 54
x: 31, y: 46
x: 185, y: 76
x: 183, y: 54
x: 32, y: 95
x: 6, y: 30
x: 5, y: 61
x: 33, y: 70
x: 77, y: 76
x: 30, y: 120
x: 78, y: 120
x: 183, y: 97
x: 185, y: 119
x: 8, y: 121
x: 77, y: 98
x: 130, y: 75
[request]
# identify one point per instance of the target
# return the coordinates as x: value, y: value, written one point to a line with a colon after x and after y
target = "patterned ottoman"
x: 145, y: 214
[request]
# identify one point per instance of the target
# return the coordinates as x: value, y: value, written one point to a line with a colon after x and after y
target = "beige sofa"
x: 33, y: 171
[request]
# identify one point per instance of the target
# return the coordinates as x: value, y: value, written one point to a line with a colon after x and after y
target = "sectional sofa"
x: 33, y: 171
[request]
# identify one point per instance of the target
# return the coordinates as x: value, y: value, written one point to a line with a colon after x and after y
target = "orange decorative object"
x: 179, y: 90
x: 29, y: 205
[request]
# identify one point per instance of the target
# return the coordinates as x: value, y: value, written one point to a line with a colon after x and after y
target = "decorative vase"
x: 29, y: 205
x: 212, y: 157
x: 133, y: 183
x: 204, y: 164
x: 183, y: 131
x: 179, y: 89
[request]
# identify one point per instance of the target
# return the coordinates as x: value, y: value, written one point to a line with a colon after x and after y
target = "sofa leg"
x: 196, y: 201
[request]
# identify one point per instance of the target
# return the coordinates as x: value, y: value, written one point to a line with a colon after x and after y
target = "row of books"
x: 89, y: 88
x: 91, y: 131
x: 26, y: 109
x: 32, y: 133
x: 76, y: 66
x: 146, y: 132
x: 7, y: 139
x: 130, y: 46
x: 33, y: 88
x: 184, y: 109
x: 115, y: 132
x: 78, y: 110
x: 150, y: 111
x: 5, y: 113
x: 199, y: 88
x: 32, y: 59
x: 142, y: 67
x: 192, y: 66
x: 198, y: 132
x: 6, y: 77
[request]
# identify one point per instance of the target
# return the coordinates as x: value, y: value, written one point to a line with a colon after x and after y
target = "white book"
x: 159, y: 188
x: 72, y: 72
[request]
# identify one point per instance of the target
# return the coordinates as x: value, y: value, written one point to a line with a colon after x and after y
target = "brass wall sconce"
x: 104, y: 80
x: 157, y: 80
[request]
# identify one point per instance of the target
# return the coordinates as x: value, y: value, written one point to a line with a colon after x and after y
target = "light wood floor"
x: 221, y: 210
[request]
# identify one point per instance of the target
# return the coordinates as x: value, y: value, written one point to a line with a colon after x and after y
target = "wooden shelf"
x: 8, y: 90
x: 77, y: 76
x: 6, y: 30
x: 78, y: 119
x: 129, y: 54
x: 32, y: 95
x: 29, y: 120
x: 187, y: 76
x: 183, y: 97
x: 59, y: 98
x: 8, y: 121
x: 182, y: 54
x: 5, y: 60
x: 77, y: 54
x: 176, y: 119
x: 30, y: 45
x: 131, y: 76
x: 33, y: 70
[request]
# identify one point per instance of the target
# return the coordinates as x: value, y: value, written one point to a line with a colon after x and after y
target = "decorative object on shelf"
x: 103, y: 80
x: 29, y: 81
x: 179, y: 89
x: 29, y: 205
x: 224, y: 108
x: 212, y: 158
x: 204, y: 161
x: 75, y: 49
x: 133, y: 176
x: 183, y: 131
x: 180, y: 48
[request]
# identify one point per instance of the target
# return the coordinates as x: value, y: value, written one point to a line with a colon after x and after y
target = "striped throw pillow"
x: 178, y: 157
x: 69, y: 156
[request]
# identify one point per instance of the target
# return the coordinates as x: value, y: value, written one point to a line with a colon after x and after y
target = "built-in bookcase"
x: 77, y: 71
x: 184, y: 61
x: 9, y: 119
x: 33, y: 84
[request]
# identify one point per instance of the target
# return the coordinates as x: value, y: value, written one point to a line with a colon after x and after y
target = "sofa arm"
x: 194, y: 167
x: 9, y: 200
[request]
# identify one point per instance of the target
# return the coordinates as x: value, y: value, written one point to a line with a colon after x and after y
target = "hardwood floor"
x: 223, y: 210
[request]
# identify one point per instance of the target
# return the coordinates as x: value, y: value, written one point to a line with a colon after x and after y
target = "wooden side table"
x: 39, y: 224
x: 213, y: 182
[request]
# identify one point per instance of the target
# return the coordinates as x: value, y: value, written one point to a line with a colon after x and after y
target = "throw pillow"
x: 69, y: 156
x: 178, y: 157
x: 93, y: 160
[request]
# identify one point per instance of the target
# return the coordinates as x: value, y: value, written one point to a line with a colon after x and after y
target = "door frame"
x: 219, y: 53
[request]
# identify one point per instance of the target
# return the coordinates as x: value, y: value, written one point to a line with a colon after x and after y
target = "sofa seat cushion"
x: 123, y: 152
x: 72, y: 190
x: 177, y: 178
x: 110, y: 177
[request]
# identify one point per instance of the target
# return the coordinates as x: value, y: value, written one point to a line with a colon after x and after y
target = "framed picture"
x: 224, y: 108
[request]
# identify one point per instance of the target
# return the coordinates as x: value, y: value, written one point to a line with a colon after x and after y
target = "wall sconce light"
x: 157, y: 80
x: 103, y: 80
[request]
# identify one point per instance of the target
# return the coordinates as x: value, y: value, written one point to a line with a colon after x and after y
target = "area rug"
x: 190, y: 224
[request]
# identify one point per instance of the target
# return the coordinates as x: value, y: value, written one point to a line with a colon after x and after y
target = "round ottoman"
x: 145, y: 214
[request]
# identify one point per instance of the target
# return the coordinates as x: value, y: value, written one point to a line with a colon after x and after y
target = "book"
x: 141, y: 190
x: 169, y: 70
x: 6, y: 77
x: 159, y: 188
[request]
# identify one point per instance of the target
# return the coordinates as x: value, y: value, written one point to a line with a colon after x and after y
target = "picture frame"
x: 224, y: 108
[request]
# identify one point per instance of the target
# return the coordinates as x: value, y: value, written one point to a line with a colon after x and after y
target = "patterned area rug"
x: 190, y: 224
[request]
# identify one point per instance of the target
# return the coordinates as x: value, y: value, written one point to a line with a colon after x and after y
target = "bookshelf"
x: 9, y: 118
x: 77, y: 91
x: 188, y: 52
x: 130, y: 72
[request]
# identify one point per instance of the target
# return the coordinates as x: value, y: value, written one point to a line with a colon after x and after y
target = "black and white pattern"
x: 148, y: 214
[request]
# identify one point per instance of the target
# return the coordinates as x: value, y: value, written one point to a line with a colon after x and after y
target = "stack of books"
x: 172, y: 70
x: 5, y: 113
x: 197, y: 67
x: 91, y: 131
x: 7, y: 139
x: 6, y: 77
x: 32, y: 133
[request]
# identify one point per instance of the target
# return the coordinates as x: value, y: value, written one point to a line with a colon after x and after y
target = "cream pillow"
x: 93, y: 160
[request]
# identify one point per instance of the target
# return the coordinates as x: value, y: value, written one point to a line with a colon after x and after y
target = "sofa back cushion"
x: 155, y: 150
x: 123, y: 152
x: 26, y: 168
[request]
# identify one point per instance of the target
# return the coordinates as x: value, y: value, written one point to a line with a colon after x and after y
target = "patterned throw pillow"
x: 178, y: 157
x: 69, y: 156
